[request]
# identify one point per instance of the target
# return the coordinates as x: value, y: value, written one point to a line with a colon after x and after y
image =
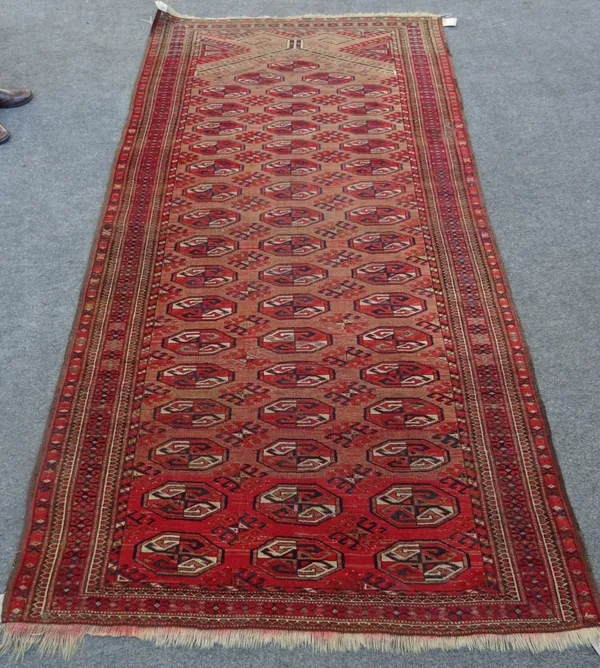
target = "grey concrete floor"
x: 528, y: 71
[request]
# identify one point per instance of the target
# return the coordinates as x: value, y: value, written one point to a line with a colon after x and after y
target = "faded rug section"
x: 296, y: 406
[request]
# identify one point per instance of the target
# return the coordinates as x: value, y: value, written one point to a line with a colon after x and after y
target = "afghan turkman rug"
x: 297, y: 407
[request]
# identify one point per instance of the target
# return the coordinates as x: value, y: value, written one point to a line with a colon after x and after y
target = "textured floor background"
x: 528, y: 71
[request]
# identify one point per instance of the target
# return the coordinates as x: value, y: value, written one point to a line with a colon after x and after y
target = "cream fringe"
x: 53, y: 638
x: 164, y: 7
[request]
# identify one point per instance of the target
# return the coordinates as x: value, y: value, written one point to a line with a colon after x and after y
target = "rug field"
x: 296, y: 406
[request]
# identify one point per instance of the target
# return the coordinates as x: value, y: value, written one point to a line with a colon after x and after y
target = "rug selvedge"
x: 296, y: 396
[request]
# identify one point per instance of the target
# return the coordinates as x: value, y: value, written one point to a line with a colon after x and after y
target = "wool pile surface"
x: 297, y: 406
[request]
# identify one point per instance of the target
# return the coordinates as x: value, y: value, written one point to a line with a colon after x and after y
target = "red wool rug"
x: 297, y: 407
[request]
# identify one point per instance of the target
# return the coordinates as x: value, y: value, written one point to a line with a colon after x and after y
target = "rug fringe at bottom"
x: 66, y: 639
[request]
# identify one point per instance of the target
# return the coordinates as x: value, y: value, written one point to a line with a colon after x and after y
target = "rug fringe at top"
x: 167, y: 9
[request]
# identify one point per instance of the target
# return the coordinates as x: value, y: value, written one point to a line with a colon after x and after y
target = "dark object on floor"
x: 14, y: 97
x: 9, y: 98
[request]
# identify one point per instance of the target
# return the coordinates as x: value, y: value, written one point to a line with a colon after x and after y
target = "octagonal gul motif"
x: 209, y: 219
x: 408, y: 456
x: 292, y: 109
x: 364, y: 90
x: 293, y: 90
x: 228, y: 91
x: 374, y: 189
x: 218, y: 147
x: 402, y: 412
x: 212, y: 246
x: 372, y: 167
x: 422, y: 562
x: 298, y: 503
x: 390, y: 305
x: 199, y: 342
x: 386, y: 273
x: 365, y: 108
x: 219, y: 128
x: 192, y: 413
x: 298, y: 375
x: 291, y: 127
x: 295, y: 216
x: 293, y: 340
x: 291, y: 167
x: 391, y: 340
x: 377, y: 215
x: 291, y: 190
x: 330, y: 78
x: 188, y: 454
x: 178, y: 553
x: 221, y: 167
x: 399, y: 374
x: 184, y: 500
x: 414, y: 505
x: 294, y: 413
x: 195, y: 376
x: 293, y: 306
x: 291, y: 146
x: 367, y: 127
x: 204, y: 276
x: 290, y: 558
x: 381, y: 242
x: 209, y: 308
x: 222, y: 109
x: 294, y: 275
x: 372, y: 146
x: 296, y: 456
x: 212, y: 192
x: 292, y: 244
x: 259, y: 78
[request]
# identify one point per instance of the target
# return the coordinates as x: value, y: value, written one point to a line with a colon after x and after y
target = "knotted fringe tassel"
x: 54, y: 638
x: 164, y: 7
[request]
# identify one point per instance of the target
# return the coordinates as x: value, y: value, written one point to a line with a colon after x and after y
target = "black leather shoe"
x: 4, y: 134
x: 14, y: 97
